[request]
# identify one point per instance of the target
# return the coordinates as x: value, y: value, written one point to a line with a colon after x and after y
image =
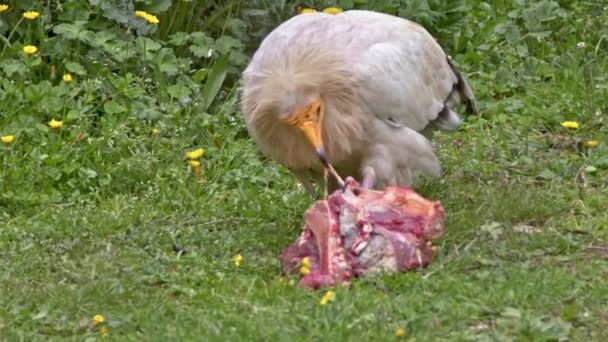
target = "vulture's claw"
x: 348, y: 183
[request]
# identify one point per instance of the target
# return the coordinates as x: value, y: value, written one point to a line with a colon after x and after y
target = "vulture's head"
x: 286, y: 103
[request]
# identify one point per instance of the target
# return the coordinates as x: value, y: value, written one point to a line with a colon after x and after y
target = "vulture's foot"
x: 369, y: 178
x: 348, y: 181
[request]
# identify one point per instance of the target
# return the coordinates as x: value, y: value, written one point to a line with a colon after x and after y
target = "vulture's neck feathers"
x: 279, y: 82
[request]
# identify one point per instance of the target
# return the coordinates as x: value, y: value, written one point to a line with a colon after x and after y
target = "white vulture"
x: 356, y: 94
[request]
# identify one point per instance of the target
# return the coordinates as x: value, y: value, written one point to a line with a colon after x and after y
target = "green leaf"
x: 167, y: 62
x: 147, y: 44
x: 547, y: 174
x: 13, y: 66
x: 199, y: 75
x: 179, y: 39
x: 134, y: 92
x: 178, y: 91
x: 225, y: 44
x: 570, y: 312
x: 217, y: 75
x: 101, y: 39
x: 590, y: 169
x: 145, y: 108
x: 72, y: 115
x: 113, y: 107
x: 201, y: 44
x: 75, y: 68
x: 72, y: 31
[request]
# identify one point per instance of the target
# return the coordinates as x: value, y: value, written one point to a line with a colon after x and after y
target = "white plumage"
x: 378, y: 83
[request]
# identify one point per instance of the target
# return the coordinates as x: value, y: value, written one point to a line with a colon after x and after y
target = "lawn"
x: 102, y: 214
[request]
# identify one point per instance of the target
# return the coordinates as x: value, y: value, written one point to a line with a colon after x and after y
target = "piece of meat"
x: 360, y: 232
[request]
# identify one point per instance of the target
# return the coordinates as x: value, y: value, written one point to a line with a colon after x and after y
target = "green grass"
x: 88, y: 225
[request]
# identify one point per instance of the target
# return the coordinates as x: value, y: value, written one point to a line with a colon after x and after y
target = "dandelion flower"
x: 31, y: 15
x: 305, y: 266
x: 196, y: 154
x: 308, y: 10
x: 3, y: 8
x: 8, y: 139
x: 98, y: 319
x: 333, y: 10
x: 194, y: 163
x: 282, y: 280
x: 104, y: 331
x: 237, y: 260
x: 155, y: 131
x: 55, y: 124
x: 570, y: 124
x: 400, y: 332
x: 305, y: 262
x: 67, y: 78
x: 152, y: 19
x: 592, y: 143
x: 30, y: 49
x: 328, y: 297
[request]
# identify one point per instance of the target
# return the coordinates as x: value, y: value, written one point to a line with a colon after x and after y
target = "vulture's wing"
x: 405, y: 76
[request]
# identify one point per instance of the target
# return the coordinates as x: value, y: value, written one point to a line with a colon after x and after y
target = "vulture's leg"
x: 325, y: 180
x: 330, y: 168
x: 369, y: 178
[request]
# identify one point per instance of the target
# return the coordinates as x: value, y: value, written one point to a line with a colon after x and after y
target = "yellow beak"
x: 309, y: 121
x: 310, y: 124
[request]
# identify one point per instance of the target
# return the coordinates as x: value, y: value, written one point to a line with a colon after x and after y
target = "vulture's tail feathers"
x: 462, y: 89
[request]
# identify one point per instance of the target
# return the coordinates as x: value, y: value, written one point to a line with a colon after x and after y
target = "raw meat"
x: 358, y: 232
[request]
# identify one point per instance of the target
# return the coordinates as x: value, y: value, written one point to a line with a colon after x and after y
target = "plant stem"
x: 8, y: 40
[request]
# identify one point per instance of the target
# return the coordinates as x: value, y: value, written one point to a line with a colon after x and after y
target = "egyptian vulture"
x: 356, y: 94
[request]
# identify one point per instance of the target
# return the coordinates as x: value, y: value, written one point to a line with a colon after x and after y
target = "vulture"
x: 357, y: 94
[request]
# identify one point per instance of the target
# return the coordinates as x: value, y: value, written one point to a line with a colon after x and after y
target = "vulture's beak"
x: 309, y: 121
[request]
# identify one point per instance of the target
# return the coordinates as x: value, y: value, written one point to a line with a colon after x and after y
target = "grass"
x: 91, y: 217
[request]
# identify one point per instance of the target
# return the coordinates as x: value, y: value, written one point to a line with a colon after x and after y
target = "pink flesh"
x: 317, y: 220
x: 373, y: 231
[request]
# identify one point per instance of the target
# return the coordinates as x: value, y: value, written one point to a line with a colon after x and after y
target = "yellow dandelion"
x: 141, y: 14
x: 196, y: 154
x: 400, y: 332
x: 592, y: 143
x: 282, y: 280
x: 67, y: 78
x: 3, y: 8
x: 308, y: 10
x: 570, y: 124
x: 30, y: 49
x: 327, y: 297
x: 333, y: 10
x: 194, y: 163
x: 304, y: 270
x: 305, y: 262
x: 305, y: 266
x: 98, y: 319
x: 151, y: 18
x: 55, y: 124
x: 155, y: 131
x: 31, y: 15
x: 237, y: 260
x: 104, y: 331
x: 8, y: 139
